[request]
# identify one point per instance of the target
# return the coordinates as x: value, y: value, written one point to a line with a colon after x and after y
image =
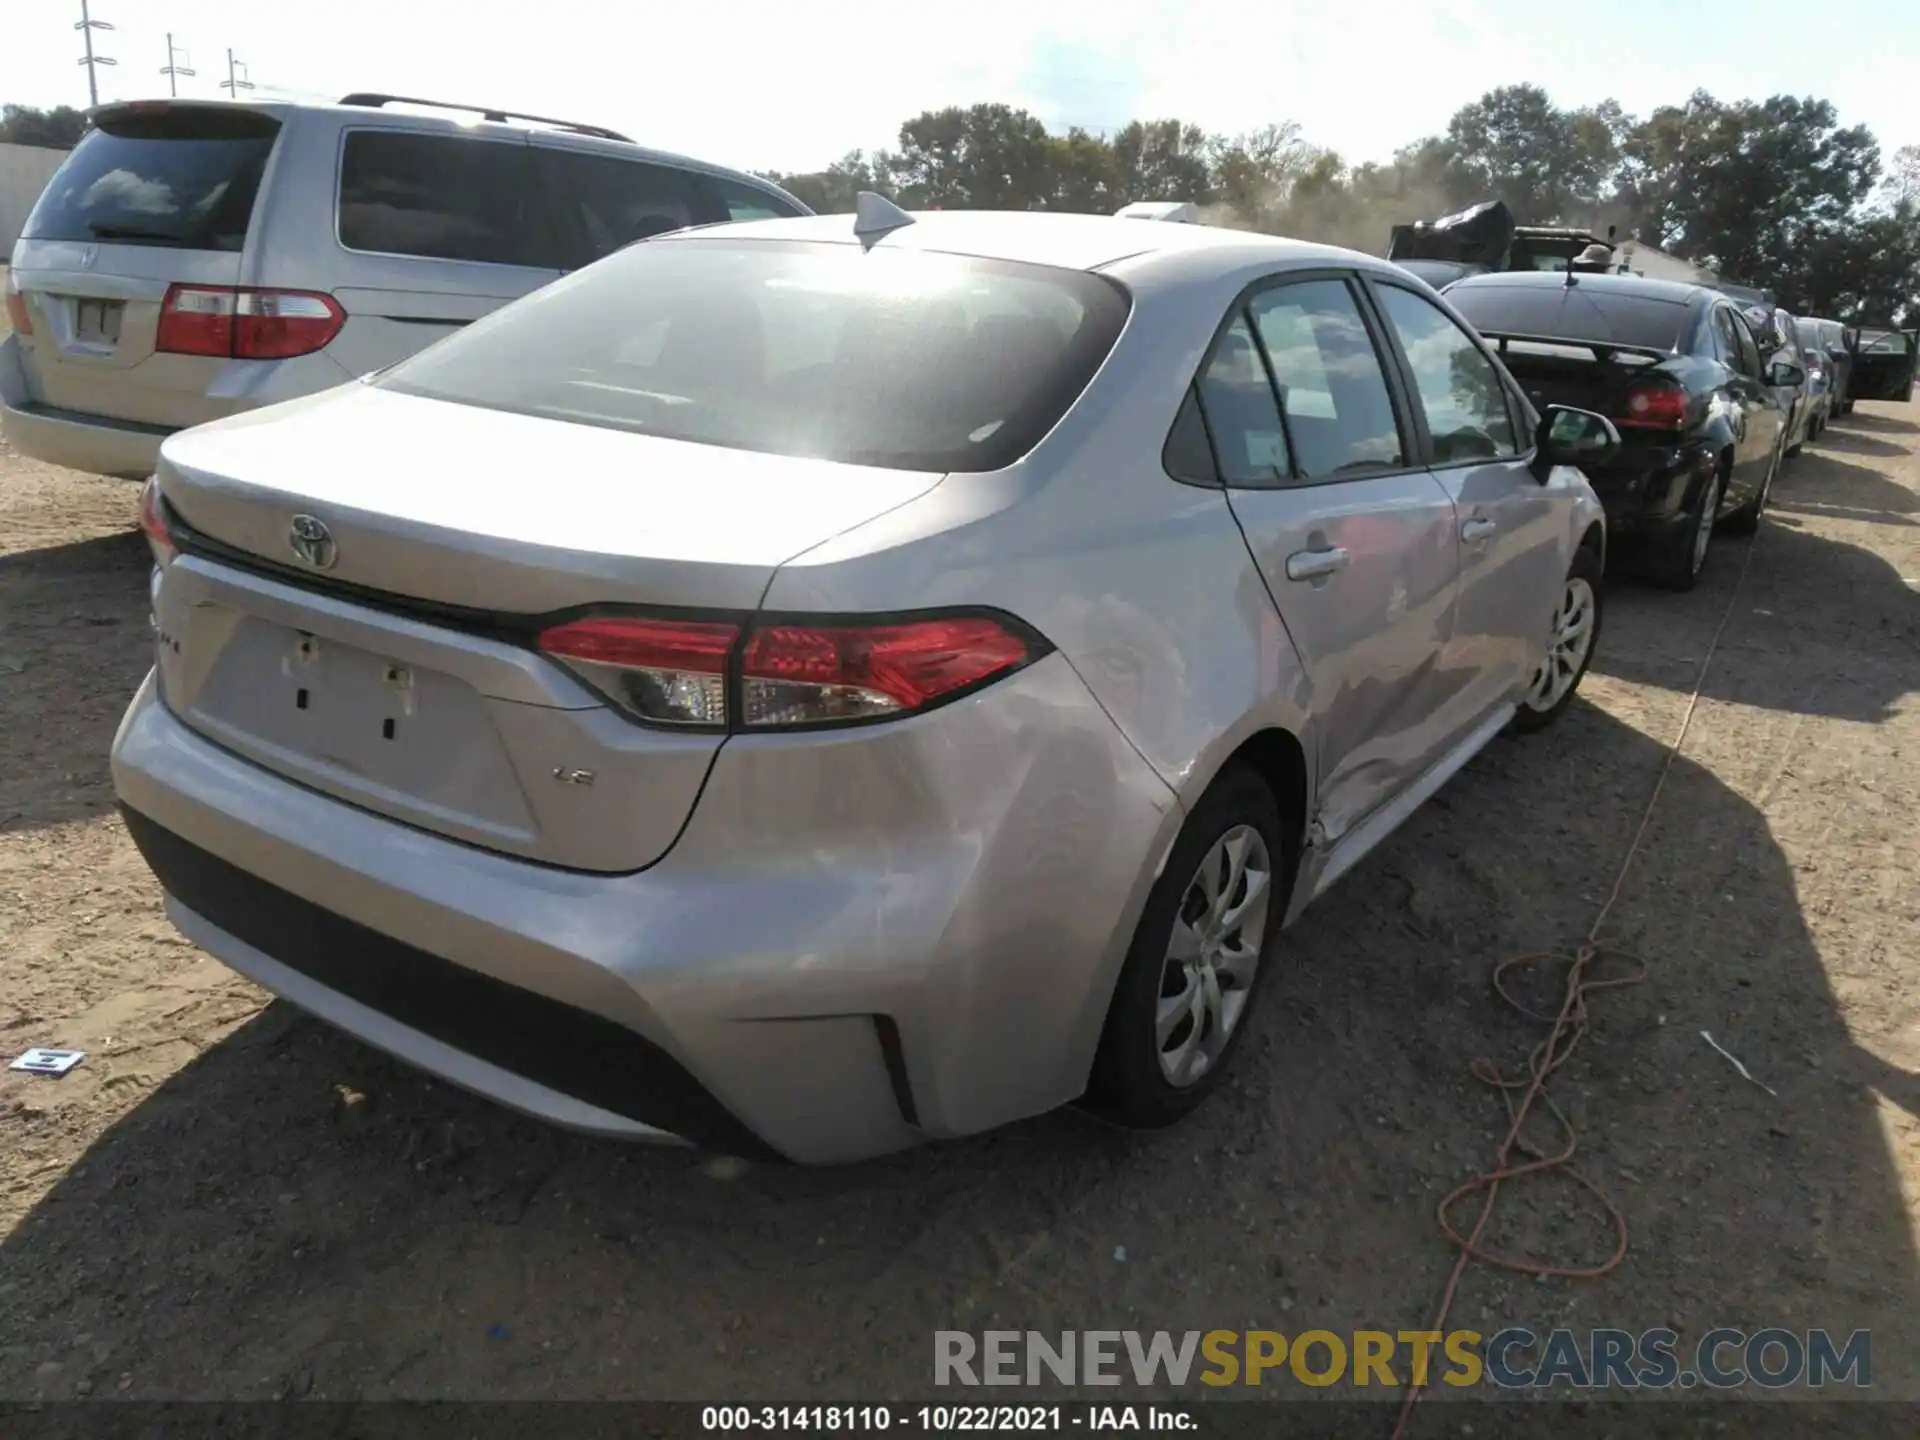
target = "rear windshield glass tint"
x: 1579, y: 312
x: 898, y: 358
x: 179, y: 177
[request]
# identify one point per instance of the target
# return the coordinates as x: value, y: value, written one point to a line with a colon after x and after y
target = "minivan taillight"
x: 792, y: 673
x: 17, y: 315
x: 1654, y: 407
x: 246, y: 322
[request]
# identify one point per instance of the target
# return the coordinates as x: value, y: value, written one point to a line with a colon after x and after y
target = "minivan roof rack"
x: 485, y: 112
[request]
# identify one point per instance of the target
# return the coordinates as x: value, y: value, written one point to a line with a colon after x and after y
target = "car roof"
x: 1674, y: 292
x: 445, y: 120
x: 1066, y: 241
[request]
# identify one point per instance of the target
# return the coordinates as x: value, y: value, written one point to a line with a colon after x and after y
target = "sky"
x: 784, y: 86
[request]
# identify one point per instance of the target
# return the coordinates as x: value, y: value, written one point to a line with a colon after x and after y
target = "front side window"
x: 1726, y: 334
x: 1333, y: 390
x: 900, y: 358
x: 441, y: 197
x: 1749, y: 349
x: 1458, y: 388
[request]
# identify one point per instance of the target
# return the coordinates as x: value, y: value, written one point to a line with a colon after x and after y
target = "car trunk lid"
x: 399, y: 673
x: 157, y: 194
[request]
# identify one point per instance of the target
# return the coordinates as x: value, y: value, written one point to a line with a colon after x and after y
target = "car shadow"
x: 73, y: 647
x: 292, y: 1213
x: 1820, y: 482
x: 1854, y: 442
x: 1875, y: 421
x: 1839, y: 621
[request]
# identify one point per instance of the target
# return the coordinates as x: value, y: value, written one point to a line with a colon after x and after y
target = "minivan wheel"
x: 1570, y: 646
x: 1207, y: 934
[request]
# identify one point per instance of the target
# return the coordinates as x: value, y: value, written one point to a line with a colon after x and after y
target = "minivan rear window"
x: 1583, y: 311
x: 892, y: 357
x: 179, y: 176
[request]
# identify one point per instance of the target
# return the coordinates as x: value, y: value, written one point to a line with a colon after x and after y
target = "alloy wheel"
x: 1219, y: 931
x: 1567, y: 648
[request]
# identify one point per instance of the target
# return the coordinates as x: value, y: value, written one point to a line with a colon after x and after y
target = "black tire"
x: 1586, y: 566
x: 1127, y: 1085
x: 1677, y: 568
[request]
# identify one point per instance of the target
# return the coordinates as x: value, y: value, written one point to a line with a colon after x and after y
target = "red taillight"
x: 153, y: 523
x: 809, y: 674
x: 791, y: 674
x: 17, y: 315
x: 247, y: 323
x: 1654, y: 407
x: 670, y: 671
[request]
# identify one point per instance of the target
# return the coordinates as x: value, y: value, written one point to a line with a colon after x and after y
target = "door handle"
x: 1477, y: 529
x: 1312, y: 564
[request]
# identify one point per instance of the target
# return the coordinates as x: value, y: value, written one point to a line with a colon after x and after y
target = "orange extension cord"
x: 1569, y: 1028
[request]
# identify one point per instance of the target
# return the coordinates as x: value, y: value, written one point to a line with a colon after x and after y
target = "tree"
x: 1514, y: 144
x: 832, y: 191
x: 985, y: 157
x: 1162, y: 160
x: 57, y: 129
x: 1749, y: 188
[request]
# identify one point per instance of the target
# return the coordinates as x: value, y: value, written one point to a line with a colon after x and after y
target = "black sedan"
x: 1677, y: 369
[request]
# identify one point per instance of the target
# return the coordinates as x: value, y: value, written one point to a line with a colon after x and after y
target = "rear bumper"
x: 1648, y: 505
x: 843, y: 954
x: 91, y: 443
x: 130, y: 449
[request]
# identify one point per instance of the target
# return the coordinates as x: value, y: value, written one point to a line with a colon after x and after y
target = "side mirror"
x: 1787, y: 376
x: 1573, y: 437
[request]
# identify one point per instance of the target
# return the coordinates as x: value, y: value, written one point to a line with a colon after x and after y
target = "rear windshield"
x: 1579, y: 312
x: 180, y: 176
x: 899, y: 358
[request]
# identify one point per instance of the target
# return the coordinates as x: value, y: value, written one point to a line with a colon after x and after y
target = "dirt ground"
x: 228, y: 1200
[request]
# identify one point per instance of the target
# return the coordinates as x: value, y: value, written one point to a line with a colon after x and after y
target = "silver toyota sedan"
x: 809, y: 686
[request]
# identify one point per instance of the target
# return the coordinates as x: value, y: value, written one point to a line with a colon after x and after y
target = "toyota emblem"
x: 312, y: 542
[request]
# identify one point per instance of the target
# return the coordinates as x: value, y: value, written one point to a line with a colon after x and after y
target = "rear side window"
x: 899, y: 358
x: 182, y: 177
x: 441, y: 198
x: 1586, y: 311
x: 749, y: 202
x: 610, y: 202
x: 1238, y: 400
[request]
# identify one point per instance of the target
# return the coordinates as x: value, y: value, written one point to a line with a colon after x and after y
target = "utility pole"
x: 236, y: 80
x: 173, y: 69
x: 86, y: 25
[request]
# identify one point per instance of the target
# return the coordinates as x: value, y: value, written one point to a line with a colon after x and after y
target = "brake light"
x: 676, y: 672
x: 153, y: 524
x: 247, y: 323
x: 17, y: 316
x: 809, y: 674
x: 1654, y: 407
